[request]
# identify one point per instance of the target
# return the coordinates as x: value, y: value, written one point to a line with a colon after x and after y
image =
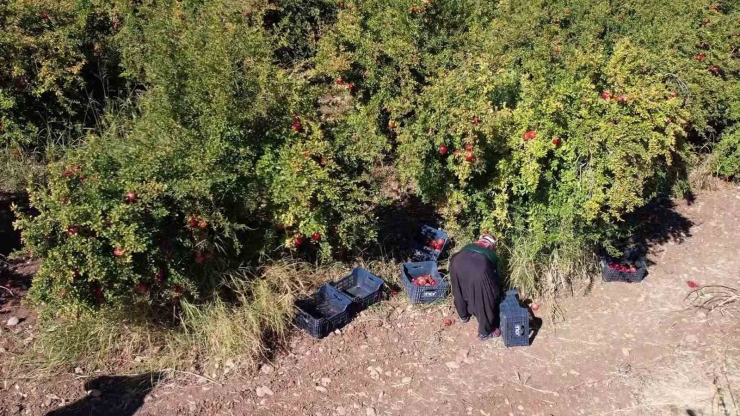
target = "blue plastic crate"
x: 363, y: 287
x: 514, y: 321
x: 324, y: 311
x: 423, y: 294
x: 421, y: 250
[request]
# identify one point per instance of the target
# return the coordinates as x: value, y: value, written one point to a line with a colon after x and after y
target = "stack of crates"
x: 514, y: 321
x: 334, y: 304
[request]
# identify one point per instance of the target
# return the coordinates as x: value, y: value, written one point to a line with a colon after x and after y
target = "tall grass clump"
x: 244, y: 322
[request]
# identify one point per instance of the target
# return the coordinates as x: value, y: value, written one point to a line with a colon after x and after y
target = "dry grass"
x: 565, y: 270
x: 702, y: 176
x: 213, y: 338
x: 103, y: 340
x: 716, y: 298
x: 695, y: 384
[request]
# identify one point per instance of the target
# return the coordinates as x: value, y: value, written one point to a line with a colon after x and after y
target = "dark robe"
x: 476, y: 286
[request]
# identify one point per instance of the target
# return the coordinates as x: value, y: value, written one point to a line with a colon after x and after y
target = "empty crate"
x: 514, y: 321
x: 363, y: 287
x: 324, y: 311
x: 423, y: 294
x: 424, y: 245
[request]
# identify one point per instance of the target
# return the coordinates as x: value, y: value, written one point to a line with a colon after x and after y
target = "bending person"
x: 476, y: 285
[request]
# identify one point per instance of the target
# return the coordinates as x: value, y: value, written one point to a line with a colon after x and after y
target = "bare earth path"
x: 621, y: 350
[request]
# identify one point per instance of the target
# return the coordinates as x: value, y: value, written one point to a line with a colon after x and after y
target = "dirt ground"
x: 620, y: 349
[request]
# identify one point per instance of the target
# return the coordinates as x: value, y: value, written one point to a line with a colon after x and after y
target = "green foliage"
x: 57, y: 72
x: 51, y: 52
x: 478, y: 80
x: 727, y: 154
x: 260, y: 126
x: 223, y: 148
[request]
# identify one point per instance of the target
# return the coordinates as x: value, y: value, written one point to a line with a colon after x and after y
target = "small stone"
x: 13, y: 321
x: 322, y: 389
x: 452, y: 365
x: 95, y: 393
x: 406, y: 380
x: 338, y: 332
x: 370, y: 411
x: 325, y: 381
x: 267, y: 369
x: 520, y: 407
x: 263, y: 391
x: 625, y: 352
x: 15, y: 409
x: 78, y: 370
x: 341, y: 411
x: 230, y: 363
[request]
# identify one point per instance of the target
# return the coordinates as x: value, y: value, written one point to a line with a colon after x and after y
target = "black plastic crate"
x: 610, y: 271
x: 514, y: 321
x: 324, y: 311
x: 363, y: 287
x: 421, y: 245
x: 423, y: 294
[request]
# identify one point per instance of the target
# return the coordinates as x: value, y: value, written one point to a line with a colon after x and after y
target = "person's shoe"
x: 464, y: 320
x: 495, y: 334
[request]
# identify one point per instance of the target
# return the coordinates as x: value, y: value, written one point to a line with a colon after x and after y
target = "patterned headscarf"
x: 487, y: 241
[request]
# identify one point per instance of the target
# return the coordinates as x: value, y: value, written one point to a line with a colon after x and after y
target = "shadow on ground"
x: 655, y: 224
x: 119, y: 396
x: 398, y: 225
x: 658, y: 223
